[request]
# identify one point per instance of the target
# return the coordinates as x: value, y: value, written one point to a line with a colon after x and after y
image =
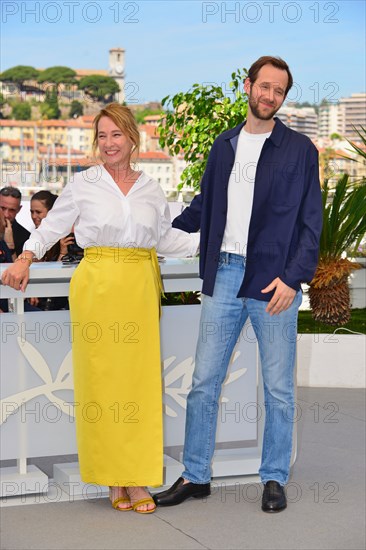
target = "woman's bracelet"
x: 21, y: 257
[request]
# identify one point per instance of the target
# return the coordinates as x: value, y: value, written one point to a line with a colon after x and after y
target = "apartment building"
x: 341, y: 117
x: 300, y: 119
x: 73, y: 133
x: 149, y: 138
x: 353, y: 113
x: 159, y: 166
x: 329, y: 120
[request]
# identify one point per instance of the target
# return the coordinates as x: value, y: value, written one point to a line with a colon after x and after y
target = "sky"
x: 171, y: 45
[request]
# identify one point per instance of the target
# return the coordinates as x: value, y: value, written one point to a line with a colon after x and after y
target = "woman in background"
x: 41, y: 203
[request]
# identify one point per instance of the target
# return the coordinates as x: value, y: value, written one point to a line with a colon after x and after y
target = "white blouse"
x: 103, y: 216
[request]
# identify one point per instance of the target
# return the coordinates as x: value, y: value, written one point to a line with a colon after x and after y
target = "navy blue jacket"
x: 286, y: 220
x: 5, y: 254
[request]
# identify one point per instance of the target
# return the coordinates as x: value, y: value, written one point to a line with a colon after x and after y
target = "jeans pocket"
x: 221, y: 262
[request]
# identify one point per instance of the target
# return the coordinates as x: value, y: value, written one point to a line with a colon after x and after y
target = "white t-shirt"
x: 241, y: 191
x: 104, y: 216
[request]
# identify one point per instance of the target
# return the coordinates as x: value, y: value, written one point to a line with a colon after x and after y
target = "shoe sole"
x: 200, y: 495
x: 269, y: 511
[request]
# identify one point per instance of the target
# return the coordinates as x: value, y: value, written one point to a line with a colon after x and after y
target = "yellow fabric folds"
x: 115, y: 304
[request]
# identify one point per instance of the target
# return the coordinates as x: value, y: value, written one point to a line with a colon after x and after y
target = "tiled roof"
x: 88, y: 72
x: 153, y: 117
x: 70, y: 123
x: 150, y: 129
x: 61, y: 150
x: 17, y: 142
x: 153, y: 155
x: 85, y: 161
x: 17, y: 123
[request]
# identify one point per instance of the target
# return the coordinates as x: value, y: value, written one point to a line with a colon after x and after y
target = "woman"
x: 121, y: 216
x: 40, y: 204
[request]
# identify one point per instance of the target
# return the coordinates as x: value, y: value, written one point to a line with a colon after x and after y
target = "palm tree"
x: 344, y: 226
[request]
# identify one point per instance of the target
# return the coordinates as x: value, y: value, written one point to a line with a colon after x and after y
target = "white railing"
x: 37, y: 417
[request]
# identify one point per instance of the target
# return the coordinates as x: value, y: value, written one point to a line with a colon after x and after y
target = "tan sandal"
x: 117, y: 501
x: 141, y: 502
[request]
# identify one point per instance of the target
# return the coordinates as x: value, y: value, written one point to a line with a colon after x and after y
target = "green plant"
x: 344, y: 226
x: 307, y: 324
x: 76, y: 109
x: 195, y: 118
x: 57, y: 75
x: 140, y: 115
x: 50, y: 108
x: 19, y: 74
x: 99, y: 88
x: 361, y: 152
x: 181, y: 298
x: 21, y: 111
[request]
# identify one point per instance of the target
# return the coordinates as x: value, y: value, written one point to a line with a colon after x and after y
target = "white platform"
x: 67, y: 477
x: 13, y: 483
x: 238, y: 462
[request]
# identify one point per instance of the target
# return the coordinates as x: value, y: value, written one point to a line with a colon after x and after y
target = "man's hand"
x: 8, y: 234
x: 282, y: 298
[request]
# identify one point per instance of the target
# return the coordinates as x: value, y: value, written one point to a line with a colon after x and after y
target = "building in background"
x: 339, y: 118
x: 300, y: 119
x: 353, y: 113
x: 328, y: 120
x: 44, y: 154
x: 159, y: 166
x: 117, y: 71
x: 33, y: 90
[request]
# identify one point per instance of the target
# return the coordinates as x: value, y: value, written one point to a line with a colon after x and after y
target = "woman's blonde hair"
x: 124, y: 119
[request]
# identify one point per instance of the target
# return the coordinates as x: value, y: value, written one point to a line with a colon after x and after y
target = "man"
x: 259, y: 213
x: 15, y: 234
x: 5, y: 254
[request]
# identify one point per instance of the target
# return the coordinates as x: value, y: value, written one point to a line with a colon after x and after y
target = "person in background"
x: 15, y: 234
x: 41, y: 203
x: 6, y: 257
x: 121, y: 217
x: 5, y: 254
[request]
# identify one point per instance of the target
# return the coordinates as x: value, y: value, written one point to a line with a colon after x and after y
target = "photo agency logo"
x: 319, y: 492
x: 70, y: 12
x: 269, y: 12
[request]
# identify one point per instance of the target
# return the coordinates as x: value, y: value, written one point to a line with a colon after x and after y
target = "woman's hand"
x: 17, y: 275
x: 64, y: 244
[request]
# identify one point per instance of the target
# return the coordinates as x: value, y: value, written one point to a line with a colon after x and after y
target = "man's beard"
x: 254, y: 107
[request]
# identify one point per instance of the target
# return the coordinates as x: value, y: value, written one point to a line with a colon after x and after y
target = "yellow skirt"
x: 114, y: 308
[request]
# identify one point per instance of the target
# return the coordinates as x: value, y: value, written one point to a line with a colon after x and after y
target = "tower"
x: 117, y: 71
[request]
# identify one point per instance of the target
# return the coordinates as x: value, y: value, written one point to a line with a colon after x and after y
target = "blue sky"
x: 172, y: 44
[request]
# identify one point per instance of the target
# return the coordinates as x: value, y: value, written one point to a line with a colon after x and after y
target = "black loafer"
x: 179, y: 492
x: 274, y: 498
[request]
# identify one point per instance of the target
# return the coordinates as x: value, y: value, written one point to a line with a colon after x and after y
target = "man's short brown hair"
x: 275, y: 62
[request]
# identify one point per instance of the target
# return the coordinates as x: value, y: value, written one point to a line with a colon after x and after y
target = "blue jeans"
x: 222, y: 318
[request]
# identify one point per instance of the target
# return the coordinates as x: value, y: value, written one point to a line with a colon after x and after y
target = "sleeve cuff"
x: 35, y: 248
x: 195, y: 243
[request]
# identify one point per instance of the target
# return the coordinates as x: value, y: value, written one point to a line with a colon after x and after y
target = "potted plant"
x: 344, y: 227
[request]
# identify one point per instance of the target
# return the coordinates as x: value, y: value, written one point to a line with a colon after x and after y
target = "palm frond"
x: 344, y: 217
